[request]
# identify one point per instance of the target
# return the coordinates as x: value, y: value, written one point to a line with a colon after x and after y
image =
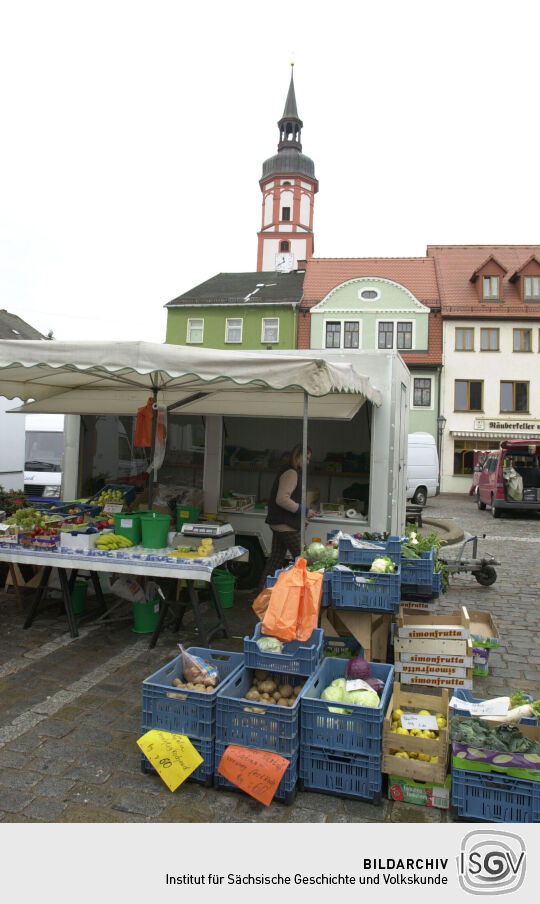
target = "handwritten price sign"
x: 257, y: 772
x: 173, y: 756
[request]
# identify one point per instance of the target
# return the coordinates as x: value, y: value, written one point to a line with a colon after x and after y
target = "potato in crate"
x: 329, y: 717
x: 258, y: 709
x: 169, y: 706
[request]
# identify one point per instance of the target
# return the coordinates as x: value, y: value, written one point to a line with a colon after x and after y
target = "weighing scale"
x: 221, y: 532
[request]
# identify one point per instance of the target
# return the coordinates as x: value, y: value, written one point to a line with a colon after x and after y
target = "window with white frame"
x: 333, y: 334
x: 351, y: 334
x: 404, y: 335
x: 195, y: 330
x: 233, y: 329
x: 386, y: 335
x: 422, y: 392
x: 270, y: 329
x: 490, y: 288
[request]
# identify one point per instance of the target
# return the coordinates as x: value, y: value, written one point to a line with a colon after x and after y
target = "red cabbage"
x: 376, y: 683
x: 357, y: 667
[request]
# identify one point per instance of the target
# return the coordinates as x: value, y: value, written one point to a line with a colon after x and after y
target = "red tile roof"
x: 455, y: 265
x: 415, y: 273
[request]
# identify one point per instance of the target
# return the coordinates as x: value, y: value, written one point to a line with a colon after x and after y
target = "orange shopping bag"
x: 308, y: 615
x: 260, y: 603
x: 287, y: 593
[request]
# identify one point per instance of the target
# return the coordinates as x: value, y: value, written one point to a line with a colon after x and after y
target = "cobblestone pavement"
x: 70, y: 710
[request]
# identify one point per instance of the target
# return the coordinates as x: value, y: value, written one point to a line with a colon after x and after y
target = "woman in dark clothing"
x: 285, y: 515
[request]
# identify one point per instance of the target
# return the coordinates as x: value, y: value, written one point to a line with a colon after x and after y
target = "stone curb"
x: 453, y: 533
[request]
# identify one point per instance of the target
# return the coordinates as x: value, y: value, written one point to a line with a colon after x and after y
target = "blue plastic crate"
x: 286, y: 788
x: 334, y: 645
x: 349, y: 554
x: 251, y: 723
x: 463, y: 693
x: 418, y: 571
x: 128, y: 491
x: 203, y: 773
x: 382, y: 593
x: 179, y: 709
x: 296, y: 658
x: 344, y: 775
x: 359, y: 731
x: 326, y: 599
x: 495, y: 797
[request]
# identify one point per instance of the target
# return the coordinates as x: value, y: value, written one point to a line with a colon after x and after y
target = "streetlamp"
x: 441, y: 423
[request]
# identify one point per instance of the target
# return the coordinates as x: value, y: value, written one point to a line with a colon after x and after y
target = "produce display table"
x: 133, y: 561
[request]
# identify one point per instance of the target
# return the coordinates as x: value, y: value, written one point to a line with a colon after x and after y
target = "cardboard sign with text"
x: 173, y: 756
x: 257, y: 772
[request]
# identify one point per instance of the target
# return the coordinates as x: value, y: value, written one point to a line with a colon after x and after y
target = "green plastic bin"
x: 128, y: 525
x: 186, y: 514
x: 154, y: 529
x: 145, y: 616
x: 78, y: 596
x: 224, y: 584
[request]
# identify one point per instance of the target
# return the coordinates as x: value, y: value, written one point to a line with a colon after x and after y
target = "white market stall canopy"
x: 117, y: 378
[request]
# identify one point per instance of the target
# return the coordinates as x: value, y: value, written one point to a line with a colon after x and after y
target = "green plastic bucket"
x: 154, y: 529
x: 145, y: 616
x: 186, y: 514
x: 128, y: 525
x: 78, y: 596
x: 224, y: 584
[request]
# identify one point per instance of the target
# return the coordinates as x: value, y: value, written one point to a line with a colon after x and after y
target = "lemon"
x: 425, y: 757
x: 440, y: 716
x: 394, y: 726
x: 413, y: 755
x: 434, y: 759
x: 396, y: 715
x: 424, y: 712
x: 415, y: 731
x: 403, y: 754
x: 441, y: 721
x: 402, y: 731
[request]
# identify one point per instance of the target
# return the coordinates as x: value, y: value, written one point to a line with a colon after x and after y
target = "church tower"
x: 288, y: 187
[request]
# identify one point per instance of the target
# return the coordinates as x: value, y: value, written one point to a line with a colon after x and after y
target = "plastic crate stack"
x: 419, y: 578
x: 341, y: 752
x: 183, y: 711
x: 261, y: 725
x: 489, y: 790
x: 363, y: 589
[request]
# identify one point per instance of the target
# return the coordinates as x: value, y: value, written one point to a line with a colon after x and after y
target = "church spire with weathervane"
x: 288, y: 187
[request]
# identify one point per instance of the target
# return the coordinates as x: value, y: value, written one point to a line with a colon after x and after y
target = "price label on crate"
x: 173, y: 756
x: 112, y: 508
x: 257, y: 772
x: 412, y: 720
x: 496, y: 707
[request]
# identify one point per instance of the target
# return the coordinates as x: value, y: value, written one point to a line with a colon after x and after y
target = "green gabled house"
x: 238, y: 310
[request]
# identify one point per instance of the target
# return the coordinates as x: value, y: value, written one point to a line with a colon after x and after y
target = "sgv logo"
x: 491, y: 863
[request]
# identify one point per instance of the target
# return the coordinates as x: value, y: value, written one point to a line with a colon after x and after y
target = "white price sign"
x: 357, y: 684
x: 112, y: 508
x: 496, y: 707
x: 424, y: 723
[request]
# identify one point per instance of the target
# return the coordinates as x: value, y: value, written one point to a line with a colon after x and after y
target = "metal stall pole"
x: 153, y: 447
x: 304, y: 473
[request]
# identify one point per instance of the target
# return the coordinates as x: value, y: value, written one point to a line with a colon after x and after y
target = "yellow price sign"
x: 173, y: 756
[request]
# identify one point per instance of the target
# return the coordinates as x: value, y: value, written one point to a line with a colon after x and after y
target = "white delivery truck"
x: 43, y: 457
x: 422, y: 468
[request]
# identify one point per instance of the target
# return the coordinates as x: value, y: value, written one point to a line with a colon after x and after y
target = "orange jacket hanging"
x: 143, y: 426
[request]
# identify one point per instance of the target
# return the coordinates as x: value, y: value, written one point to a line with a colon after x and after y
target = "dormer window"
x: 531, y: 288
x: 490, y: 288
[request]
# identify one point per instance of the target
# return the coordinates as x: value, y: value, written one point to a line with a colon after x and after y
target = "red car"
x: 510, y: 478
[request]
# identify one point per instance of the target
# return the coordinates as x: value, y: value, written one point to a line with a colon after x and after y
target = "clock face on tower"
x: 284, y: 261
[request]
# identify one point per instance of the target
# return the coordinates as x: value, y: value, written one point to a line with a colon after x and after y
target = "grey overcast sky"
x: 134, y: 134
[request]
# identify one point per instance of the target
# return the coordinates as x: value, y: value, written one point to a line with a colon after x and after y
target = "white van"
x: 422, y: 468
x: 44, y: 450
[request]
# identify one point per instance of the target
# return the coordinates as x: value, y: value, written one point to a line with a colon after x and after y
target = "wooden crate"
x: 370, y: 629
x: 416, y: 769
x: 434, y: 666
x: 449, y: 628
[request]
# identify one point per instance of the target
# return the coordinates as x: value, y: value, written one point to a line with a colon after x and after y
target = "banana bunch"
x: 112, y: 541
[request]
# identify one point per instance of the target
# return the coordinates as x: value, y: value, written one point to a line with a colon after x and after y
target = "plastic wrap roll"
x: 351, y: 513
